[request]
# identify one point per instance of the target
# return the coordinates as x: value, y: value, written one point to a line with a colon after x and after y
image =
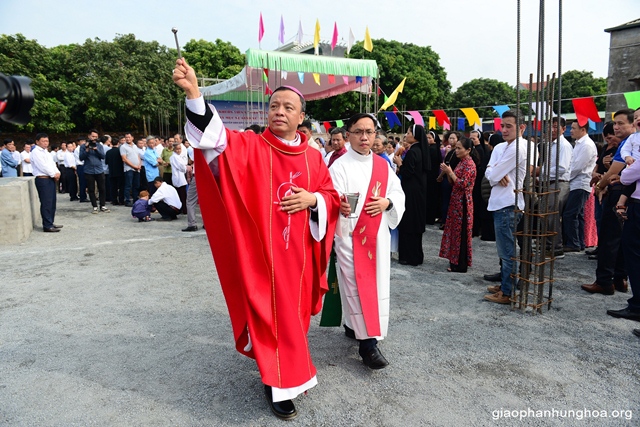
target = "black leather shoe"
x: 636, y: 332
x: 493, y: 277
x: 191, y: 228
x: 284, y: 410
x: 57, y: 226
x: 592, y: 252
x: 625, y: 313
x: 51, y: 230
x: 349, y: 333
x: 374, y: 359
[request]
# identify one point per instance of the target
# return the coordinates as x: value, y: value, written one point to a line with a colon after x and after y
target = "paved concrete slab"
x: 112, y: 322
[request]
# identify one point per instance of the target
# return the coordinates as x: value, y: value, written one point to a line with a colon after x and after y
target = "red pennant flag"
x: 585, y: 109
x: 441, y: 117
x: 331, y: 78
x: 266, y: 72
x: 327, y: 126
x: 395, y: 110
x: 537, y: 124
x: 379, y: 91
x: 497, y: 124
x: 267, y: 90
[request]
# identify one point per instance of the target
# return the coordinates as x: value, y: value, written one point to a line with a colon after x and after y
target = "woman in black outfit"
x: 434, y: 195
x: 413, y: 169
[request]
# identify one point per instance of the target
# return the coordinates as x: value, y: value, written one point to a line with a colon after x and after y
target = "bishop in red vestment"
x: 268, y: 204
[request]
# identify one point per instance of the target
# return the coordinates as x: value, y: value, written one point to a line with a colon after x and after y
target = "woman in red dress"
x: 456, y: 239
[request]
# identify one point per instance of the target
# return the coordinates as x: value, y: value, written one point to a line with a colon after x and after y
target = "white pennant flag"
x: 283, y: 74
x: 352, y: 40
x: 300, y: 33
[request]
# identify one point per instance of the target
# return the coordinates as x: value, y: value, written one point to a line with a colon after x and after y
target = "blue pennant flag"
x: 358, y: 79
x: 461, y: 123
x: 392, y: 119
x: 500, y: 109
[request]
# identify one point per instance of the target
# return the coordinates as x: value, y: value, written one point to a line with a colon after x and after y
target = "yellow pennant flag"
x: 316, y: 78
x: 472, y: 116
x: 394, y: 95
x: 368, y: 44
x: 316, y: 36
x: 432, y: 122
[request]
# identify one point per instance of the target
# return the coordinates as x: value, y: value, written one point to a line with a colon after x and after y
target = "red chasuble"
x: 365, y: 237
x: 270, y: 267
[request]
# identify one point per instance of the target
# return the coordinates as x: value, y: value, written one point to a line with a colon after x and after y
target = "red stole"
x: 271, y: 269
x: 364, y: 248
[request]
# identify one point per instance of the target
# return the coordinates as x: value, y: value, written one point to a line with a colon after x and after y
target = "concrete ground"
x: 112, y: 322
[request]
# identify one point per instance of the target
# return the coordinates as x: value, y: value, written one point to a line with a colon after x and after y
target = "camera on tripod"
x: 16, y: 99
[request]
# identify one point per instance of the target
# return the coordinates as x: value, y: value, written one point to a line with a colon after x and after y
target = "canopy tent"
x: 336, y: 76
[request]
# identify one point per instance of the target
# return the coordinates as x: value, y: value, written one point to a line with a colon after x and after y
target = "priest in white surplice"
x: 362, y: 244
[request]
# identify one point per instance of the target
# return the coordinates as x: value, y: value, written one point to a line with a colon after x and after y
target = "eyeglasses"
x: 359, y: 132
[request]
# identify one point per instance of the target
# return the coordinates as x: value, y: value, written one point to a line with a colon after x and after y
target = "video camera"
x: 16, y: 99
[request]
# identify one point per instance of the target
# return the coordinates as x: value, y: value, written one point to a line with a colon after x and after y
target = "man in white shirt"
x: 505, y: 172
x: 62, y: 184
x: 165, y: 200
x: 582, y: 163
x: 25, y: 158
x: 132, y: 164
x: 559, y: 174
x: 71, y: 172
x: 46, y: 173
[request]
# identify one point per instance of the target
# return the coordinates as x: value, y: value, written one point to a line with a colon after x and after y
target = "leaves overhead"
x: 483, y: 92
x: 426, y: 86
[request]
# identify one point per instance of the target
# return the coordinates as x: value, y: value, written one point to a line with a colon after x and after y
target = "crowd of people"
x: 100, y: 169
x: 386, y: 189
x: 282, y: 203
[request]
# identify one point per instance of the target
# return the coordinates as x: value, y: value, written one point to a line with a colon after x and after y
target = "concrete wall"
x: 19, y: 209
x: 624, y: 64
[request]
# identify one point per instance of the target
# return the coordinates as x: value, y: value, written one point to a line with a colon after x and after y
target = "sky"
x: 474, y: 38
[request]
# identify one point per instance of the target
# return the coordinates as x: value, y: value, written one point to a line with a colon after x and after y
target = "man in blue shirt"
x: 9, y: 164
x: 150, y: 161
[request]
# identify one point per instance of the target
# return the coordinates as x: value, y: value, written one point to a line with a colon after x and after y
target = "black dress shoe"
x: 636, y: 332
x: 592, y: 252
x: 625, y: 313
x: 285, y: 409
x: 191, y: 228
x: 57, y: 226
x: 51, y: 230
x: 374, y: 359
x: 349, y: 333
x: 493, y: 277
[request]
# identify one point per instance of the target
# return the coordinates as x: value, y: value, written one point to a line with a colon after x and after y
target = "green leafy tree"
x: 218, y: 59
x: 21, y: 56
x: 579, y: 84
x: 426, y: 86
x: 482, y: 94
x: 120, y: 83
